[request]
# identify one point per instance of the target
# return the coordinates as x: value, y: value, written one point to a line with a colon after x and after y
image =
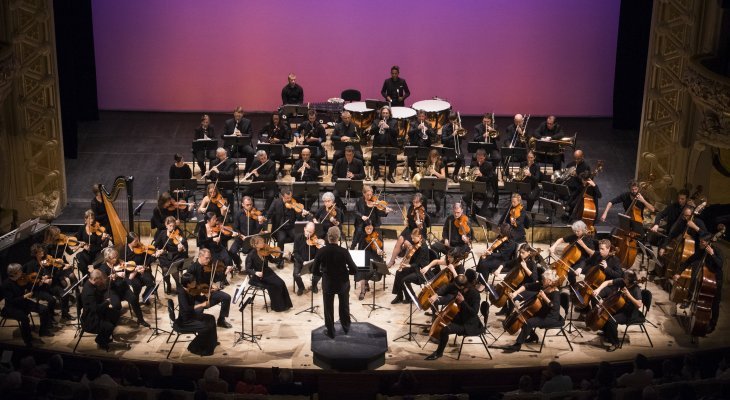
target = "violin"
x: 294, y: 205
x: 219, y: 200
x: 218, y: 264
x: 419, y: 214
x: 49, y: 261
x: 374, y: 240
x: 26, y: 279
x: 268, y: 250
x: 374, y: 202
x: 514, y: 214
x: 462, y: 225
x: 254, y: 214
x: 144, y: 248
x: 331, y: 213
x: 314, y: 241
x: 495, y: 245
x: 64, y: 240
x: 97, y: 229
x: 175, y: 237
x: 224, y: 230
x: 173, y: 205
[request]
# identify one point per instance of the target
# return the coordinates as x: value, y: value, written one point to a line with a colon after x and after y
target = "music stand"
x: 383, y: 153
x: 486, y: 227
x: 559, y: 191
x: 156, y: 331
x: 306, y: 270
x: 410, y: 336
x: 306, y: 189
x: 522, y: 188
x: 512, y: 154
x: 274, y: 151
x: 340, y: 145
x: 347, y: 186
x: 375, y: 104
x: 416, y: 152
x: 472, y: 147
x: 473, y: 187
x: 235, y: 143
x: 299, y: 228
x: 259, y: 186
x: 382, y: 269
x: 229, y: 185
x: 553, y: 209
x: 243, y: 336
x: 204, y: 145
x: 432, y: 183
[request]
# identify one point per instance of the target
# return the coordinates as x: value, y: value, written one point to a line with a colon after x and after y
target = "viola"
x: 226, y: 230
x: 219, y: 200
x: 331, y: 213
x: 49, y: 261
x: 173, y: 205
x: 462, y: 225
x: 515, y: 213
x: 314, y: 241
x: 26, y: 279
x: 254, y: 214
x: 144, y: 248
x: 268, y: 250
x: 294, y: 205
x: 514, y: 322
x: 374, y: 202
x: 218, y: 264
x: 419, y: 214
x: 495, y: 245
x: 175, y: 236
x: 64, y: 240
x: 375, y: 243
x: 97, y: 229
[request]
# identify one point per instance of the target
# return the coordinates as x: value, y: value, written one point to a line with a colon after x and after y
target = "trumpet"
x: 382, y: 128
x: 423, y: 128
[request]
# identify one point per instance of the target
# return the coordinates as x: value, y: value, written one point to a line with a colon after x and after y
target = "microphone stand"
x: 410, y: 336
x: 242, y: 336
x: 156, y: 331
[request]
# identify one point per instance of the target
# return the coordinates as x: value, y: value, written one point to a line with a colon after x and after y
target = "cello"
x: 443, y: 319
x: 681, y: 288
x: 571, y: 255
x: 510, y: 283
x: 589, y: 210
x: 593, y: 279
x: 599, y: 315
x: 625, y: 242
x: 444, y: 277
x: 514, y: 322
x: 681, y: 248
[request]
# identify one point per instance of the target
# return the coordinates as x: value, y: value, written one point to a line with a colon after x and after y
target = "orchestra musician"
x: 329, y: 214
x: 48, y: 286
x: 180, y: 170
x: 141, y: 277
x: 57, y: 246
x: 91, y: 239
x: 605, y: 258
x: 410, y: 270
x: 257, y: 267
x: 204, y: 132
x: 526, y: 261
x: 551, y: 129
x: 629, y: 313
x: 365, y: 209
x: 311, y: 133
x: 385, y: 134
x: 306, y: 169
x: 450, y: 140
x: 276, y: 131
x: 483, y: 172
x: 167, y: 207
x: 421, y: 135
x: 709, y: 255
x: 548, y: 316
x: 671, y: 213
x: 98, y: 315
x: 486, y: 132
x: 18, y: 305
x: 517, y: 217
x: 212, y: 202
x: 467, y: 321
x: 118, y: 285
x: 207, y: 271
x: 174, y: 250
x: 515, y: 133
x: 372, y: 243
x: 345, y: 131
x: 225, y: 170
x: 306, y: 246
x: 99, y: 209
x: 494, y: 259
x: 395, y: 89
x: 213, y: 236
x: 584, y: 243
x: 446, y: 293
x: 247, y: 223
x: 347, y: 167
x: 189, y: 318
x: 451, y: 238
x: 292, y: 93
x: 588, y: 188
x: 434, y: 168
x: 533, y: 176
x: 579, y: 165
x: 282, y: 214
x: 693, y: 226
x: 239, y: 126
x: 263, y: 170
x: 627, y: 198
x: 416, y: 219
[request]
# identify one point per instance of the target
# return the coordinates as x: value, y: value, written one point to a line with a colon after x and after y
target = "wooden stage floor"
x: 286, y: 343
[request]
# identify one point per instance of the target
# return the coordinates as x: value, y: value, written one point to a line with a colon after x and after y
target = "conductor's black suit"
x: 335, y: 264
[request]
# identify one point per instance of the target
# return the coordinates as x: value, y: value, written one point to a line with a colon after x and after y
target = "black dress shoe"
x: 68, y: 317
x: 391, y: 179
x: 46, y: 334
x: 532, y: 338
x: 300, y: 291
x: 315, y: 289
x: 224, y: 324
x: 346, y: 329
x: 434, y: 356
x: 513, y: 349
x: 376, y: 176
x: 612, y: 348
x: 361, y: 296
x: 329, y: 334
x: 397, y: 300
x: 144, y: 323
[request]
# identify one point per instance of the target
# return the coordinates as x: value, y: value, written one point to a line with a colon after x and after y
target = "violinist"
x: 167, y: 207
x: 277, y: 132
x: 453, y: 236
x: 214, y: 236
x: 372, y: 243
x: 48, y: 285
x: 239, y: 126
x: 517, y: 217
x: 91, y: 239
x: 633, y: 196
x: 246, y: 222
x: 549, y: 314
x: 98, y: 207
x: 305, y: 249
x: 629, y: 313
x: 409, y: 270
x: 57, y: 243
x: 385, y: 134
x: 99, y: 315
x: 203, y: 132
x: 417, y: 219
x: 421, y: 135
x: 451, y: 140
x: 467, y: 321
x: 437, y: 169
x: 306, y: 169
x: 180, y: 170
x: 346, y: 132
x: 582, y: 241
x: 670, y: 214
x: 118, y: 285
x: 189, y: 317
x: 709, y: 255
x: 347, y: 167
x: 533, y: 176
x: 486, y: 132
x: 260, y: 274
x: 173, y: 248
x: 588, y: 188
x: 18, y: 304
x: 484, y: 173
x: 367, y: 207
x: 263, y: 170
x: 496, y: 257
x: 282, y: 213
x: 206, y: 271
x: 526, y: 261
x: 329, y: 214
x: 213, y: 202
x: 224, y: 170
x: 142, y: 256
x: 311, y: 133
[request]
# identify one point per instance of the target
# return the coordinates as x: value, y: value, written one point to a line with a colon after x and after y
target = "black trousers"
x: 268, y: 193
x: 103, y: 331
x: 391, y: 161
x: 207, y: 334
x: 458, y: 163
x: 201, y: 157
x: 297, y: 273
x: 165, y: 263
x: 246, y: 152
x: 284, y: 236
x: 139, y: 281
x: 532, y: 198
x: 610, y: 328
x: 218, y: 297
x: 414, y: 277
x: 49, y: 294
x: 488, y: 265
x: 84, y: 259
x: 536, y: 322
x: 436, y: 195
x: 343, y: 295
x: 456, y: 329
x: 117, y: 294
x: 236, y: 249
x: 20, y: 314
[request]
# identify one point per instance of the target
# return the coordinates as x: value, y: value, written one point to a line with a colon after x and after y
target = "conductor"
x: 334, y: 264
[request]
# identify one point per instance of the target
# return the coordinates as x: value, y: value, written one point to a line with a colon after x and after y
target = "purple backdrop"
x: 533, y: 56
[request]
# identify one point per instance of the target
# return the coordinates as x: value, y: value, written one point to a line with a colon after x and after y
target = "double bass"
x: 589, y: 209
x: 680, y: 248
x: 625, y: 242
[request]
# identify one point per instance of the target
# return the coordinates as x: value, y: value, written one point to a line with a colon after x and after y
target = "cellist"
x: 629, y: 313
x: 633, y: 196
x: 529, y: 268
x: 713, y: 260
x: 605, y: 259
x: 517, y: 217
x: 548, y: 316
x: 494, y: 259
x: 583, y: 242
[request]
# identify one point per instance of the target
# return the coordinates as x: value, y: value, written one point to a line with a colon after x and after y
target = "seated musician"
x: 225, y: 170
x: 588, y: 188
x: 178, y: 209
x: 486, y: 132
x: 605, y: 258
x: 416, y: 219
x: 276, y: 131
x: 450, y: 235
x: 189, y: 318
x: 533, y: 176
x: 58, y: 245
x: 260, y: 274
x: 99, y: 209
x: 366, y: 210
x: 49, y: 286
x: 305, y: 249
x: 91, y: 240
x: 551, y: 129
x: 395, y: 90
x: 119, y: 289
x: 629, y: 313
x: 292, y: 93
x: 437, y: 169
x: 99, y: 315
x: 246, y: 222
x: 141, y: 277
x: 446, y: 293
x: 372, y: 243
x: 180, y: 170
x: 212, y: 235
x: 264, y: 170
x: 452, y: 261
x: 579, y: 165
x: 548, y: 316
x: 526, y: 261
x: 329, y: 214
x: 384, y: 131
x: 633, y: 196
x: 212, y: 202
x: 239, y: 126
x: 311, y: 133
x: 483, y: 172
x: 345, y: 131
x: 174, y: 250
x: 306, y: 169
x: 515, y: 134
x: 467, y: 321
x: 583, y: 242
x: 516, y: 216
x: 421, y: 135
x: 409, y: 270
x: 283, y: 215
x: 207, y: 271
x: 18, y: 304
x: 204, y: 132
x: 450, y: 140
x: 671, y: 213
x: 494, y: 259
x: 347, y: 167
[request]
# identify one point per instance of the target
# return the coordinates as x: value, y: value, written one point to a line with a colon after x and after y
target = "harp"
x: 118, y: 204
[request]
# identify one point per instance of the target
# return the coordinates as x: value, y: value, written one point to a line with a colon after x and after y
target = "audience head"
x: 641, y: 362
x: 211, y: 374
x: 93, y: 369
x: 249, y: 376
x: 525, y: 384
x: 165, y: 367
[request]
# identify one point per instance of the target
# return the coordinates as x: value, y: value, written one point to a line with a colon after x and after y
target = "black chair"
x: 79, y: 328
x: 175, y: 327
x: 646, y: 298
x: 564, y: 305
x: 351, y: 95
x: 482, y: 338
x: 254, y: 289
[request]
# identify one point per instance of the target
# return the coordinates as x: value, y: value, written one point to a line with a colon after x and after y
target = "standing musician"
x: 633, y: 196
x: 629, y: 313
x: 207, y: 271
x: 395, y: 89
x: 584, y: 243
x: 548, y: 316
x: 118, y: 285
x: 517, y: 217
x: 409, y: 270
x: 709, y: 255
x: 91, y: 239
x: 335, y: 264
x: 282, y: 213
x: 486, y: 132
x: 99, y: 209
x: 467, y: 321
x: 189, y: 318
x: 206, y: 132
x: 367, y: 207
x: 588, y: 188
x: 225, y: 170
x: 345, y: 131
x: 277, y: 132
x: 495, y: 258
x: 239, y: 126
x: 263, y: 170
x: 533, y: 176
x: 179, y: 210
x: 515, y: 133
x: 99, y: 314
x: 347, y: 167
x: 686, y: 223
x: 453, y: 236
x: 212, y: 202
x: 451, y: 140
x: 483, y: 172
x: 671, y: 213
x: 306, y: 169
x: 434, y: 168
x: 526, y: 261
x: 421, y: 135
x: 329, y: 214
x: 214, y: 236
x: 247, y: 223
x: 257, y: 267
x: 48, y: 286
x: 18, y: 304
x: 311, y: 133
x: 292, y: 93
x: 385, y: 134
x: 305, y: 249
x: 416, y: 220
x: 140, y: 255
x: 174, y: 249
x: 180, y: 170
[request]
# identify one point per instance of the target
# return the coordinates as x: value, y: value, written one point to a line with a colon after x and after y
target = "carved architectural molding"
x: 711, y: 94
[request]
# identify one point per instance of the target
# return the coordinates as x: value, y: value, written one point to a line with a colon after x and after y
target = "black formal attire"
x: 451, y: 142
x: 217, y: 296
x: 100, y: 214
x: 244, y: 126
x: 340, y: 170
x: 714, y: 264
x: 395, y: 89
x: 350, y: 131
x: 183, y: 172
x: 227, y: 171
x: 411, y: 223
x: 203, y: 324
x: 18, y: 307
x: 246, y: 226
x: 157, y: 221
x: 371, y: 253
x: 628, y: 314
x: 548, y: 317
x: 436, y: 195
x: 172, y: 255
x: 326, y: 223
x: 534, y: 277
x: 218, y: 251
x: 388, y: 138
x: 495, y: 156
x: 584, y: 256
x: 314, y: 135
x: 626, y: 198
x: 202, y: 156
x: 534, y: 180
x: 556, y: 133
x: 466, y: 322
x: 85, y: 258
x: 119, y: 290
x: 411, y: 273
x: 451, y: 233
x: 670, y: 214
x: 576, y: 201
x: 97, y: 315
x: 278, y: 294
x: 680, y: 226
x: 501, y: 255
x: 490, y: 178
x: 292, y: 94
x: 278, y: 214
x: 335, y: 265
x: 302, y: 253
x: 574, y: 183
x: 613, y: 269
x: 311, y: 174
x: 362, y: 210
x: 282, y: 133
x: 267, y: 173
x: 140, y: 280
x: 518, y: 228
x: 47, y: 292
x: 416, y: 138
x: 511, y: 136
